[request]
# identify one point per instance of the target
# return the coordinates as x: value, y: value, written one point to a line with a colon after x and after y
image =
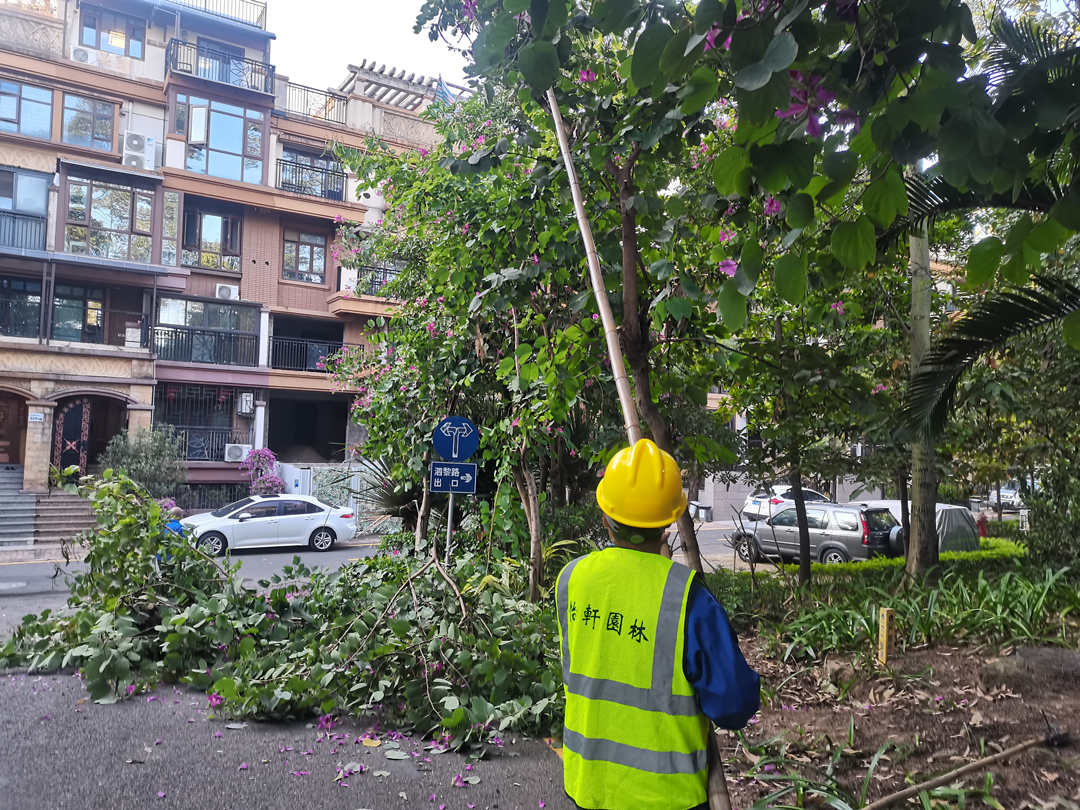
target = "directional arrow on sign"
x: 456, y: 433
x: 466, y: 478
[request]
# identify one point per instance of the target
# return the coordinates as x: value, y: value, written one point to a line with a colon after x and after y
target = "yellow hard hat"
x: 642, y: 486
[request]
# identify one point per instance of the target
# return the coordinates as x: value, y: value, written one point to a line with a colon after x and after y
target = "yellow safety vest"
x: 635, y: 737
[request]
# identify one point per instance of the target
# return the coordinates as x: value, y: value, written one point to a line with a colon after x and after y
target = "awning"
x: 111, y: 168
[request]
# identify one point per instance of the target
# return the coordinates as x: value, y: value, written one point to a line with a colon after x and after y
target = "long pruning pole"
x: 717, y: 789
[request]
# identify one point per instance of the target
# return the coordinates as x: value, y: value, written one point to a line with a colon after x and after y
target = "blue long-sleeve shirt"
x: 727, y: 689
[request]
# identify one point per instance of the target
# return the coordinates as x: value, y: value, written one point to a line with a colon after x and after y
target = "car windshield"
x: 880, y: 520
x: 223, y: 511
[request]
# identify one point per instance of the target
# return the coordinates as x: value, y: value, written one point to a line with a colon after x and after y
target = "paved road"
x: 165, y: 750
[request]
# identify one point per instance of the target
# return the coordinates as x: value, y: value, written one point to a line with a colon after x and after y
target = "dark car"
x: 837, y: 534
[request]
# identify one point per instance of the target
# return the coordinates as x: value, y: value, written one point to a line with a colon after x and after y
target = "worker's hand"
x: 665, y: 546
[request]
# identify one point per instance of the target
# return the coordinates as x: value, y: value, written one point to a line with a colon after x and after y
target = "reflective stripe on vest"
x: 641, y: 758
x: 659, y: 697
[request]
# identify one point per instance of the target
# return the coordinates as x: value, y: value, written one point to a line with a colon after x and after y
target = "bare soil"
x: 941, y: 707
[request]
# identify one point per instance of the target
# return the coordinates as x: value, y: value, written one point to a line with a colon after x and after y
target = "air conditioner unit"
x: 230, y: 292
x: 84, y: 56
x: 245, y: 403
x: 236, y: 452
x: 140, y: 151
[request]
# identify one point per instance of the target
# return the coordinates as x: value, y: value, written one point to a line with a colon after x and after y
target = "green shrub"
x: 1055, y: 514
x: 154, y: 458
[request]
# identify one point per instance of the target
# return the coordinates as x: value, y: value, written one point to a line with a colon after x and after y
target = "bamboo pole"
x: 717, y: 786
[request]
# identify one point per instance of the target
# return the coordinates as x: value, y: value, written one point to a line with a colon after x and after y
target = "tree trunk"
x: 530, y: 502
x: 922, y: 553
x: 795, y: 479
x: 905, y: 520
x: 424, y: 517
x: 999, y: 509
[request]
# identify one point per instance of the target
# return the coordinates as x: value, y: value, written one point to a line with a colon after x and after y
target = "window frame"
x: 206, y: 327
x: 130, y: 24
x: 94, y: 118
x: 299, y: 243
x: 16, y: 174
x: 20, y: 98
x: 228, y: 219
x: 181, y: 122
x: 794, y: 522
x: 86, y: 297
x: 11, y: 294
x: 133, y: 232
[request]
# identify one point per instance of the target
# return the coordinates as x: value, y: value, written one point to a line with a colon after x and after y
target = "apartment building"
x: 168, y: 208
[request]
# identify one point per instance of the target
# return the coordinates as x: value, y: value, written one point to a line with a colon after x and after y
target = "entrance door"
x: 71, y: 436
x: 12, y: 428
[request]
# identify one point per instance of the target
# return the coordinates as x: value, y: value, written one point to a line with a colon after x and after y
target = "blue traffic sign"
x: 455, y: 438
x: 454, y: 477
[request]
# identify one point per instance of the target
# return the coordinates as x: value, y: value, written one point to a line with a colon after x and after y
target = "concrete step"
x: 62, y: 510
x: 25, y: 542
x: 54, y: 537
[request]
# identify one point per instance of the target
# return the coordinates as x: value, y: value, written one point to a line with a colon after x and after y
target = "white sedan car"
x: 271, y: 520
x: 765, y: 502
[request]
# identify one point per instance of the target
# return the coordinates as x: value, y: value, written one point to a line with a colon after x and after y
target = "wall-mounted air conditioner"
x: 84, y: 56
x: 229, y: 292
x: 245, y: 403
x: 140, y: 151
x: 236, y: 452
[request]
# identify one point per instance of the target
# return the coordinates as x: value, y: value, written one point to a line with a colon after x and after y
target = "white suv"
x: 767, y: 501
x: 271, y: 520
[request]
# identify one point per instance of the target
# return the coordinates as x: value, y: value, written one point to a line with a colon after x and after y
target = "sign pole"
x: 449, y: 526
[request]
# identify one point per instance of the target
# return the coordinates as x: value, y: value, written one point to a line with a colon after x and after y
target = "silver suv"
x: 837, y: 534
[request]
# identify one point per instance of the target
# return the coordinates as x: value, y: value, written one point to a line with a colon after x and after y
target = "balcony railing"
x: 302, y: 100
x: 219, y: 66
x: 310, y: 180
x: 208, y: 443
x: 302, y: 354
x: 252, y: 12
x: 373, y: 279
x: 190, y: 345
x: 22, y: 231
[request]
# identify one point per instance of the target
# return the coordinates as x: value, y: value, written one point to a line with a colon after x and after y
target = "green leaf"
x: 455, y: 719
x: 840, y: 166
x: 753, y: 77
x: 790, y: 278
x: 679, y: 308
x: 226, y: 687
x: 707, y: 13
x: 983, y: 260
x: 751, y: 257
x: 645, y: 64
x: 781, y: 52
x: 886, y: 198
x: 539, y: 64
x: 516, y: 6
x: 1067, y: 211
x: 611, y: 15
x: 396, y: 754
x: 853, y: 243
x: 1070, y: 330
x: 674, y: 57
x: 661, y: 268
x: 450, y: 702
x: 1016, y: 269
x: 800, y: 211
x: 731, y: 306
x: 492, y: 40
x: 1047, y: 236
x: 699, y: 91
x: 726, y: 167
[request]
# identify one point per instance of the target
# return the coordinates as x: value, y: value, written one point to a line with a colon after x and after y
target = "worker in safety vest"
x: 648, y: 655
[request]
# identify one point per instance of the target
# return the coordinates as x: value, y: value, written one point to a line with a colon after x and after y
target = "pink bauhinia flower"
x: 772, y: 207
x: 728, y: 267
x: 586, y: 75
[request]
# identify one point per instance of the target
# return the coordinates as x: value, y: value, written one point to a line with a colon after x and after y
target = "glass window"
x: 816, y: 519
x: 207, y: 315
x: 20, y: 307
x: 223, y: 511
x: 304, y: 256
x: 880, y: 520
x: 170, y: 222
x: 108, y: 220
x: 223, y: 140
x: 111, y: 32
x: 785, y: 518
x: 261, y: 510
x: 845, y: 521
x: 211, y: 240
x: 25, y: 109
x: 24, y: 192
x: 78, y: 314
x: 88, y: 122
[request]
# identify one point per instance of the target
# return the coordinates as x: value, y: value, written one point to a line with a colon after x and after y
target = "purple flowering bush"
x: 261, y: 467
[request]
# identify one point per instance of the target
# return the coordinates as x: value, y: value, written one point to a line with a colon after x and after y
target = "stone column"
x: 264, y: 338
x: 260, y: 425
x: 37, y: 454
x: 139, y: 417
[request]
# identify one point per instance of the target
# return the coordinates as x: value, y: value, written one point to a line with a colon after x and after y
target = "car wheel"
x: 322, y: 539
x: 747, y: 548
x: 832, y: 556
x: 213, y: 544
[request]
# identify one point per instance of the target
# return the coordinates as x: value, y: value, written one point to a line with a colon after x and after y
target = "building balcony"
x: 22, y: 231
x: 312, y: 103
x: 117, y: 328
x: 310, y: 180
x: 252, y: 12
x: 190, y: 345
x: 201, y: 62
x: 208, y: 443
x: 301, y: 354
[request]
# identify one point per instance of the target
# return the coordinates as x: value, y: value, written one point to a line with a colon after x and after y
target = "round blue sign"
x: 455, y: 438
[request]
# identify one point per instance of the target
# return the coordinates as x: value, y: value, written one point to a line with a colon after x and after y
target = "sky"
x: 318, y: 39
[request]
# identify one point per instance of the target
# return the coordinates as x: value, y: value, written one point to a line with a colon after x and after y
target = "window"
x: 223, y: 140
x: 25, y: 109
x: 207, y: 315
x: 113, y: 33
x: 88, y: 122
x: 815, y: 519
x: 20, y: 307
x: 23, y: 192
x: 845, y: 521
x: 223, y: 511
x: 305, y: 257
x: 785, y: 518
x: 316, y: 175
x: 211, y: 240
x: 107, y: 220
x: 170, y: 226
x: 299, y: 508
x: 880, y: 520
x: 261, y: 510
x: 78, y: 313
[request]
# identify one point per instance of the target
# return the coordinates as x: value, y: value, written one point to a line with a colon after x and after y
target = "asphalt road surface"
x: 164, y: 749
